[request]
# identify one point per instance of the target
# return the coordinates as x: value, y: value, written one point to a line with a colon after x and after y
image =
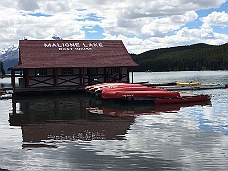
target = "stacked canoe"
x: 126, y: 91
x: 188, y: 83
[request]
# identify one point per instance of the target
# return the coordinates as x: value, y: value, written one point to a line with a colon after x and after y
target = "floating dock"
x: 8, y: 92
x: 198, y: 87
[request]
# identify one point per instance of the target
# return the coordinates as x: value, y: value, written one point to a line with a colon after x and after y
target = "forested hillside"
x: 193, y: 57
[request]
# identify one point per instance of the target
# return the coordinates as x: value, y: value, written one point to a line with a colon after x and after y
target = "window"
x: 115, y: 70
x: 67, y: 71
x: 41, y: 72
x: 116, y: 74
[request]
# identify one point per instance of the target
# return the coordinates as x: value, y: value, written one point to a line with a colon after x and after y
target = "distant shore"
x: 9, y: 75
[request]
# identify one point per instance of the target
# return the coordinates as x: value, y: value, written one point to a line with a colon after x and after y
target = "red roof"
x: 73, y: 53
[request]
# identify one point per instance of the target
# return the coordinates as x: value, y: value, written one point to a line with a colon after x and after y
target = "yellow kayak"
x: 188, y: 84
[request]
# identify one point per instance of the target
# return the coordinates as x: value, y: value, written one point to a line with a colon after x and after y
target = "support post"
x: 55, y: 77
x: 132, y: 76
x: 26, y: 76
x: 13, y: 79
x: 81, y: 76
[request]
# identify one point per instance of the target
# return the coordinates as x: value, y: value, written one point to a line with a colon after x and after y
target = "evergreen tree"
x: 2, y: 69
x: 193, y: 57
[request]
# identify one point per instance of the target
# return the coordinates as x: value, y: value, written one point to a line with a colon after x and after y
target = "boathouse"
x: 70, y: 64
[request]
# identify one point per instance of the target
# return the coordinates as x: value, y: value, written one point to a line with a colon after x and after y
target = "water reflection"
x: 64, y: 118
x: 134, y: 109
x: 77, y: 117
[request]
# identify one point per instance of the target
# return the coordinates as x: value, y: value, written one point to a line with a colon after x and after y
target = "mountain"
x: 8, y: 53
x: 55, y: 37
x: 10, y: 56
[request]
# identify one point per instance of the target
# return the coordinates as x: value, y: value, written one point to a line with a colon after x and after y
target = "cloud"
x: 162, y: 26
x: 28, y: 5
x: 216, y: 19
x: 202, y: 4
x: 149, y: 24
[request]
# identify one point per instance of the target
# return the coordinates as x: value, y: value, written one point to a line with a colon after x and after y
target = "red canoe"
x: 100, y: 87
x: 123, y: 86
x: 142, y: 94
x: 111, y: 92
x: 186, y: 99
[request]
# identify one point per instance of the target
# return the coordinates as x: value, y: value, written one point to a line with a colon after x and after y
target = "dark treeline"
x: 194, y: 58
x: 2, y: 71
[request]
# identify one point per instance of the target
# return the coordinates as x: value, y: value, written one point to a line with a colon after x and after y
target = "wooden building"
x: 64, y: 64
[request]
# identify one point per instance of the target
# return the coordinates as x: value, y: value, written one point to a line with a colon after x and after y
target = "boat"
x: 129, y: 91
x: 120, y: 86
x: 148, y: 94
x: 99, y: 87
x: 159, y: 84
x: 6, y: 96
x: 111, y: 92
x: 2, y: 91
x: 188, y: 83
x: 182, y: 99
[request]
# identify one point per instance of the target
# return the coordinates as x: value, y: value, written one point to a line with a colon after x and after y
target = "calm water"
x: 58, y: 133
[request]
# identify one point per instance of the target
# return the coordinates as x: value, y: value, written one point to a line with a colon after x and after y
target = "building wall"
x: 41, y: 81
x: 79, y: 76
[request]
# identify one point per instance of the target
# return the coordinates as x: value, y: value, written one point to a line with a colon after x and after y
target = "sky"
x: 142, y: 25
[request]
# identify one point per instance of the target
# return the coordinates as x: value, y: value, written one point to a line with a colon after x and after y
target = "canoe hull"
x: 127, y: 91
x: 143, y: 94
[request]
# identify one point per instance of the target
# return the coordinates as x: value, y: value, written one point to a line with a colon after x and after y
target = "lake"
x: 59, y: 133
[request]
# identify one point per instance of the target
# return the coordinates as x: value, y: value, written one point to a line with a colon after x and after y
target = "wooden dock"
x: 199, y: 87
x: 49, y: 90
x: 81, y: 89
